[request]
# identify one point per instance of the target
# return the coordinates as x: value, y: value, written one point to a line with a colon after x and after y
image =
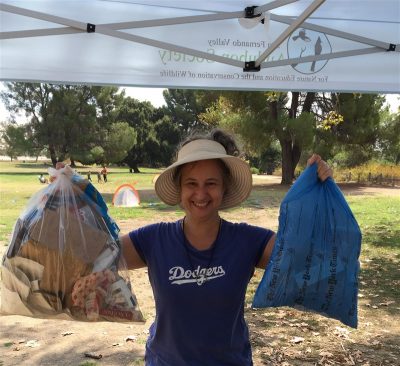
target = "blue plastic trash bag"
x: 314, y: 264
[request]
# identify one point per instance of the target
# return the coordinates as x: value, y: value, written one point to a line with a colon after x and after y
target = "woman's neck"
x: 201, y: 234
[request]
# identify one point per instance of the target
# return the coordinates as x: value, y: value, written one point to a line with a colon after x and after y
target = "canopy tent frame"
x: 113, y: 30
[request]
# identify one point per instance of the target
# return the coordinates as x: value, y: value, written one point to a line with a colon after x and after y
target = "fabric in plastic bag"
x: 314, y: 264
x: 63, y: 257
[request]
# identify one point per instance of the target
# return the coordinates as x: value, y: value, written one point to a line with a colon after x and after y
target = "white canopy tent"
x: 320, y: 45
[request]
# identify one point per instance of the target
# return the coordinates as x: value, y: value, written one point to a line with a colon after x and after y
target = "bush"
x: 350, y: 159
x: 367, y: 172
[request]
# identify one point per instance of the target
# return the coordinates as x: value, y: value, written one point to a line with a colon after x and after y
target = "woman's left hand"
x: 324, y: 170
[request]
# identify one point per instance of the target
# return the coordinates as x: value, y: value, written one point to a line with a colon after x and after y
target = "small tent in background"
x: 126, y: 196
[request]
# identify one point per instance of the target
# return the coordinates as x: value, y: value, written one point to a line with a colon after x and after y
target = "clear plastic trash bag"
x: 314, y: 264
x: 63, y: 257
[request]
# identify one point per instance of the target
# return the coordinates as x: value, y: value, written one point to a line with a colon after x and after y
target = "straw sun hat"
x: 239, y: 183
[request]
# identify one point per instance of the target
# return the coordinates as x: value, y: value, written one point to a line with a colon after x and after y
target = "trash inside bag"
x: 314, y: 264
x: 63, y: 258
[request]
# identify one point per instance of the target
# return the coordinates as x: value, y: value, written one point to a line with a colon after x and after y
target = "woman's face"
x: 202, y: 188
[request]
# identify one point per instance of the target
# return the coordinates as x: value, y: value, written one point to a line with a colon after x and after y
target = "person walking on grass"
x: 199, y: 266
x: 104, y: 173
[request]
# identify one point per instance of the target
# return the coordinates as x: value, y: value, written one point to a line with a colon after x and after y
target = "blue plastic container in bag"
x: 314, y: 264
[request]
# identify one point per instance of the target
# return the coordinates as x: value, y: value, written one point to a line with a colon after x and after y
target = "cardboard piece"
x: 11, y: 303
x: 62, y: 232
x: 15, y: 280
x: 32, y: 269
x: 61, y: 270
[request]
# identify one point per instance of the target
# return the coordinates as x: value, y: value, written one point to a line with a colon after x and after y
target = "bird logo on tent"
x: 302, y: 35
x: 310, y: 43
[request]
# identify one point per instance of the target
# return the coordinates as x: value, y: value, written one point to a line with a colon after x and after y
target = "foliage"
x: 118, y: 141
x: 150, y: 127
x: 349, y: 159
x: 389, y: 137
x: 168, y: 137
x: 16, y: 141
x: 68, y: 120
x: 268, y: 160
x: 261, y: 118
x: 184, y: 106
x: 368, y: 171
x: 331, y: 120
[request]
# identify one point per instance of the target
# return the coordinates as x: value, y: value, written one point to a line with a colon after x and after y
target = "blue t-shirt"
x: 199, y: 319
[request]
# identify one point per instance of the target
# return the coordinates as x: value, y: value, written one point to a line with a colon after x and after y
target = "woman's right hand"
x: 324, y: 170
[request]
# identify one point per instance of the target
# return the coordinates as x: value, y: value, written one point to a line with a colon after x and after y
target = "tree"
x: 14, y: 140
x: 118, y: 141
x: 261, y: 117
x: 168, y: 137
x: 353, y: 140
x: 70, y: 121
x: 389, y: 137
x: 294, y: 130
x: 184, y: 106
x: 70, y: 127
x: 140, y: 116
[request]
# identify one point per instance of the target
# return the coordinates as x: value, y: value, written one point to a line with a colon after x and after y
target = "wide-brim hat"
x: 240, y: 180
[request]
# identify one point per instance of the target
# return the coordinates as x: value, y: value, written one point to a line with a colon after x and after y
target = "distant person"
x: 104, y: 173
x: 42, y: 179
x: 89, y: 176
x: 98, y: 177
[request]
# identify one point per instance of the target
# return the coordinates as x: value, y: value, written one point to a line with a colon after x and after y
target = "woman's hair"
x: 220, y: 136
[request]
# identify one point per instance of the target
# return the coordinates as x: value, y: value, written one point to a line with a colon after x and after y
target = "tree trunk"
x: 286, y: 147
x: 291, y: 153
x: 287, y: 162
x: 294, y: 105
x: 135, y: 168
x: 53, y: 156
x: 310, y: 97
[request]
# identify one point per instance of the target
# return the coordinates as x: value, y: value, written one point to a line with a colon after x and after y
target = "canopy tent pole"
x: 288, y: 31
x: 334, y: 32
x: 78, y: 27
x: 298, y: 60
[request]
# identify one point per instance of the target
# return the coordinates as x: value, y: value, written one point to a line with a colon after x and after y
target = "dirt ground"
x: 279, y: 336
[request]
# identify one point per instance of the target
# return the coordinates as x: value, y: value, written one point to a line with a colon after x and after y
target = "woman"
x: 199, y: 266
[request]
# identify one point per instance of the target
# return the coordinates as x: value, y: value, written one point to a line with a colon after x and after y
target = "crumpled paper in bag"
x: 314, y: 264
x: 63, y: 258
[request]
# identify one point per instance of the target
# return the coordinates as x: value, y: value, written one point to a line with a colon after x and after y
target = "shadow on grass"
x: 380, y: 283
x: 382, y: 235
x: 278, y: 327
x: 356, y: 189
